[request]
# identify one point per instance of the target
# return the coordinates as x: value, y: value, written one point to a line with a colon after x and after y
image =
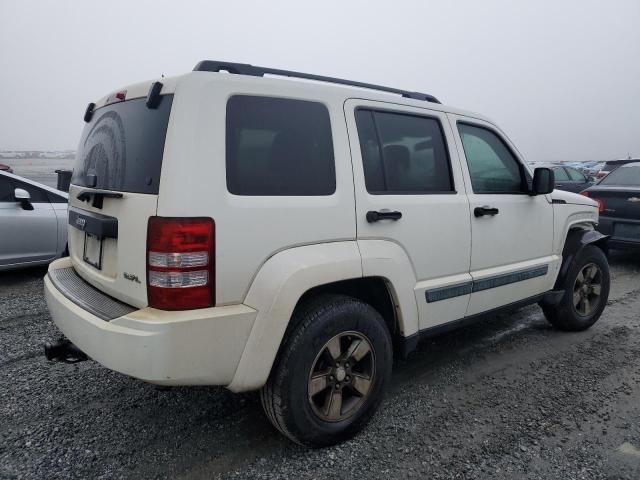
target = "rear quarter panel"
x: 249, y: 229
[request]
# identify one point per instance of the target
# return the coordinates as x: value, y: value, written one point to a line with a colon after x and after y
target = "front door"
x: 512, y: 231
x: 412, y: 213
x: 27, y: 235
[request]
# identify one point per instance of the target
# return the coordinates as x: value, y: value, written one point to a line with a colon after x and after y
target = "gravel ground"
x: 507, y: 398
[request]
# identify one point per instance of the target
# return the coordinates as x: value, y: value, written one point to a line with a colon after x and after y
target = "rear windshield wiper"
x: 98, y: 196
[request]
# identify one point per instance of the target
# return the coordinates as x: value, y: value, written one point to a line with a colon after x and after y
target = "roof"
x: 251, y: 70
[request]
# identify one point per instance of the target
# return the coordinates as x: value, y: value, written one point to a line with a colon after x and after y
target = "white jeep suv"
x: 270, y: 230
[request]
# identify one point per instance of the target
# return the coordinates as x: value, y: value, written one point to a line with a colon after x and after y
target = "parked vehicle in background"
x: 33, y: 222
x: 611, y: 165
x: 571, y: 179
x: 592, y: 169
x: 618, y: 197
x: 5, y: 168
x: 328, y: 224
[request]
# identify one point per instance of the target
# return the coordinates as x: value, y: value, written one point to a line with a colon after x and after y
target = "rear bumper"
x: 196, y: 347
x: 606, y: 226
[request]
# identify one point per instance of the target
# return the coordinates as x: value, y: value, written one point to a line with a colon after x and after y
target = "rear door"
x: 27, y: 235
x: 114, y: 191
x: 512, y: 232
x: 409, y: 192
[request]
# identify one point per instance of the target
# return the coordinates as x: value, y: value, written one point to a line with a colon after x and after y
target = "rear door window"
x: 403, y: 153
x: 575, y: 175
x: 123, y: 146
x: 560, y: 174
x: 279, y: 146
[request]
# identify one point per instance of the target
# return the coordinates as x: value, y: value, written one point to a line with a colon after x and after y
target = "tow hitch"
x: 64, y: 351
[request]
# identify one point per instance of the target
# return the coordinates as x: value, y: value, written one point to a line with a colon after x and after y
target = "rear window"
x: 123, y: 146
x: 279, y: 146
x: 626, y: 176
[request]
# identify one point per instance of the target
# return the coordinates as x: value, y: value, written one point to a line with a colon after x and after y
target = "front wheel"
x: 329, y: 378
x: 586, y: 292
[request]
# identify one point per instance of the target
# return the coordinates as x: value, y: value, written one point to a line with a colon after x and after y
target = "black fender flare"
x: 577, y: 239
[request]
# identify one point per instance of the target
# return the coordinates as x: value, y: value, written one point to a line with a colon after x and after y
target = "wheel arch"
x: 276, y: 290
x: 579, y: 236
x: 378, y: 292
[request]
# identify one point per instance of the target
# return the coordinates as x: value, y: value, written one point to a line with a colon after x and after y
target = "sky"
x: 560, y: 77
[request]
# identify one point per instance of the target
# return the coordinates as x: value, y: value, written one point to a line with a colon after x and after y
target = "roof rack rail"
x: 247, y: 69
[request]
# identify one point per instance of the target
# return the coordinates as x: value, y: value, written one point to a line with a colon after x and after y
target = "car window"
x: 123, y: 145
x: 627, y: 176
x: 279, y: 146
x: 6, y: 189
x: 37, y: 194
x: 576, y: 176
x: 560, y: 174
x: 492, y: 166
x: 402, y: 153
x: 53, y: 198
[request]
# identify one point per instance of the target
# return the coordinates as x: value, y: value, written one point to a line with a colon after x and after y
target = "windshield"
x: 123, y: 146
x: 626, y: 175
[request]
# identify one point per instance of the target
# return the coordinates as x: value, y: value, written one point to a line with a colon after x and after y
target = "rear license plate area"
x: 627, y: 230
x: 92, y: 253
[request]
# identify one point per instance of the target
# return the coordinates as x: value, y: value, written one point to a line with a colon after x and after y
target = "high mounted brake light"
x: 120, y: 96
x: 180, y: 263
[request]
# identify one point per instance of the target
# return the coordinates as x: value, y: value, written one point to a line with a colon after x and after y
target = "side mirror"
x: 543, y: 181
x: 24, y: 198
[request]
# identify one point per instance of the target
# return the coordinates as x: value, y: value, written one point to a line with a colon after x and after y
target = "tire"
x: 571, y: 313
x: 294, y: 398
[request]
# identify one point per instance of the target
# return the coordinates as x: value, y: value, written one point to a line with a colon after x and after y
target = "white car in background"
x: 33, y: 222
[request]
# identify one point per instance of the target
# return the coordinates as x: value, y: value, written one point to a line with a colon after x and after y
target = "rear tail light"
x: 180, y: 263
x: 599, y: 200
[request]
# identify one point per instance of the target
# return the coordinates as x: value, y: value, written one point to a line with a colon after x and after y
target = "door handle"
x: 482, y: 211
x: 374, y: 216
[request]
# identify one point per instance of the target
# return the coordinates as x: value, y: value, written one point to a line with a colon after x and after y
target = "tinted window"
x: 123, y: 146
x: 402, y: 153
x: 8, y: 186
x: 560, y: 174
x: 492, y: 166
x: 53, y: 198
x: 6, y: 189
x: 626, y: 176
x: 575, y: 175
x: 37, y: 195
x: 279, y: 146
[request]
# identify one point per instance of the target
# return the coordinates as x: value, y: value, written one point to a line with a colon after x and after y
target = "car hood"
x: 572, y: 198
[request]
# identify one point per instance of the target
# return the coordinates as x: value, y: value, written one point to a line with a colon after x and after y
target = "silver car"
x: 33, y: 222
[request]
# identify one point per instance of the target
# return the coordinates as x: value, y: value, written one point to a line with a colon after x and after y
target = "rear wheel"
x: 586, y: 292
x: 330, y: 375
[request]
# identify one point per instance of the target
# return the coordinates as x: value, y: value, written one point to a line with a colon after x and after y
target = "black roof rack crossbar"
x: 247, y: 69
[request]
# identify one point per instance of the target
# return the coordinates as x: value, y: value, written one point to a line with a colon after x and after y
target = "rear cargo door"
x: 113, y: 192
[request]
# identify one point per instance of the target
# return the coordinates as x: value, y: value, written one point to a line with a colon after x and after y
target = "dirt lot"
x: 508, y: 398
